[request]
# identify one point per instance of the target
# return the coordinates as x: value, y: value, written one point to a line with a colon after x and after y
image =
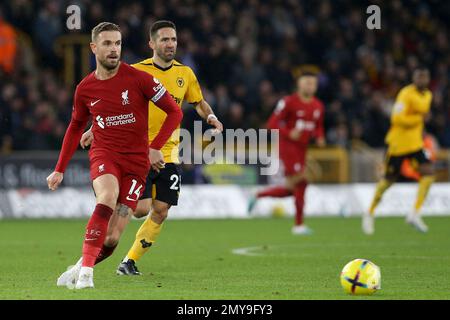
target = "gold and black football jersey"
x: 182, y: 84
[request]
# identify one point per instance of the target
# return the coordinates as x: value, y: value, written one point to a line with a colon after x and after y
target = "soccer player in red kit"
x: 299, y: 118
x: 115, y: 97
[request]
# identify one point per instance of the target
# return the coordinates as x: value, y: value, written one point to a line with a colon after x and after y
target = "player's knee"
x: 160, y: 213
x: 426, y: 170
x: 108, y: 198
x: 141, y: 211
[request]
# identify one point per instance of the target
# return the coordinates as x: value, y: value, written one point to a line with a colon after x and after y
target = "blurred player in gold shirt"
x: 163, y: 183
x: 405, y: 141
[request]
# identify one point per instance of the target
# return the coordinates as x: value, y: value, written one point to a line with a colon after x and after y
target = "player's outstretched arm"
x: 205, y: 111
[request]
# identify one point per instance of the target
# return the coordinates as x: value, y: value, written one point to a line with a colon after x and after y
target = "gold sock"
x: 424, y: 186
x: 145, y: 237
x: 382, y: 186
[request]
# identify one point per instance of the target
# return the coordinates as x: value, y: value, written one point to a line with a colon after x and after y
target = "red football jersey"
x: 118, y: 108
x: 292, y: 112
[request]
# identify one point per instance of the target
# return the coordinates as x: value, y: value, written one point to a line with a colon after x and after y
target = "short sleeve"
x: 194, y: 92
x: 80, y: 111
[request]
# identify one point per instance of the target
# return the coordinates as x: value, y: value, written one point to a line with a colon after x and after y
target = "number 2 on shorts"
x: 176, y: 179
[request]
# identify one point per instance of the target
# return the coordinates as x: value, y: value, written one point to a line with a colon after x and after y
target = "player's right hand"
x: 156, y: 159
x: 54, y: 180
x: 86, y: 139
x: 294, y: 134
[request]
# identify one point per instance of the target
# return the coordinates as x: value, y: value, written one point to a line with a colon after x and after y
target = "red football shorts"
x: 130, y: 171
x: 293, y: 159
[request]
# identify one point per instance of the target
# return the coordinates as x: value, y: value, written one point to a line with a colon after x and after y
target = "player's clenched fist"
x: 218, y: 126
x: 54, y: 180
x: 86, y: 138
x: 156, y: 159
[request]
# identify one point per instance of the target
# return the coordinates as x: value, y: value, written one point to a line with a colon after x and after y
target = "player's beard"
x: 166, y: 56
x: 110, y: 65
x: 306, y: 95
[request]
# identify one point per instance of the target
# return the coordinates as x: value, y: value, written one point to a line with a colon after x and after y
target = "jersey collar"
x: 162, y: 68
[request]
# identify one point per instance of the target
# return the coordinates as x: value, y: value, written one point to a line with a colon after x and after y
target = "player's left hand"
x: 218, y: 126
x: 156, y: 159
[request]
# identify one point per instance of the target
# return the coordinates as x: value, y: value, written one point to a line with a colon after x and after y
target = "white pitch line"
x: 250, y: 252
x: 247, y: 251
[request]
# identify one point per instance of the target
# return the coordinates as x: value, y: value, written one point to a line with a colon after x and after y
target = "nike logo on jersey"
x: 131, y: 199
x: 93, y: 103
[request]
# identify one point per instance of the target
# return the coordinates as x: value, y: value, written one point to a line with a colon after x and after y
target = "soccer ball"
x: 361, y: 277
x: 278, y: 211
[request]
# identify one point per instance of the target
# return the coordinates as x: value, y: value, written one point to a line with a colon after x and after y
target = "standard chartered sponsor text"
x: 120, y: 119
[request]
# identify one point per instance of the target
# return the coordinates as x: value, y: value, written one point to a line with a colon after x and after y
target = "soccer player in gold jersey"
x: 163, y: 183
x: 405, y: 141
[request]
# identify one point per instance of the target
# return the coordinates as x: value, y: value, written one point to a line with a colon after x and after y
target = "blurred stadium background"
x: 246, y: 55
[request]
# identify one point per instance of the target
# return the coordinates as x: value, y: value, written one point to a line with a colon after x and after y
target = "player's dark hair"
x: 159, y: 25
x: 103, y: 26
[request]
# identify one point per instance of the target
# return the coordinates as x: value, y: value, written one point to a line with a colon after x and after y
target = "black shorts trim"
x: 393, y: 164
x: 164, y: 185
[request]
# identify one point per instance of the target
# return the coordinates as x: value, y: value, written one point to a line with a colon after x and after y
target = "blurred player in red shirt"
x: 299, y: 118
x: 115, y: 97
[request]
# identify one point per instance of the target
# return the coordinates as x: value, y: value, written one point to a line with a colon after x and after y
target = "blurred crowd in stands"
x: 246, y: 54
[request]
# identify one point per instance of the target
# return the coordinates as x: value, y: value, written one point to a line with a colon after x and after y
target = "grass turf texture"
x: 193, y: 259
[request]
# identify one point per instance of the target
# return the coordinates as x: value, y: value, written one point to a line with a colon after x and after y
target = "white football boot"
x: 86, y: 278
x: 70, y: 277
x: 368, y: 223
x: 301, y: 230
x: 416, y: 221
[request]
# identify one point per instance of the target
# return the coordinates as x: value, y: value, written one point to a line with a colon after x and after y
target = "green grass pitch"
x: 194, y: 259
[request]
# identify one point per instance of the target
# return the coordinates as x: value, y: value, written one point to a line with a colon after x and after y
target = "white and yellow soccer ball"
x: 361, y: 277
x: 278, y: 210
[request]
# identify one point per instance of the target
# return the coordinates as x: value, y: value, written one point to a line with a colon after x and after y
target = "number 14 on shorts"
x: 134, y: 191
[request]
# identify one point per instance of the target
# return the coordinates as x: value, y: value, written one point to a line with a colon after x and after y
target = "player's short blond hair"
x: 103, y: 26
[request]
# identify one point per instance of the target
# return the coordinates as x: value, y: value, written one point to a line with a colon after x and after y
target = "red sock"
x: 277, y: 192
x: 104, y: 253
x: 299, y: 195
x: 95, y: 234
